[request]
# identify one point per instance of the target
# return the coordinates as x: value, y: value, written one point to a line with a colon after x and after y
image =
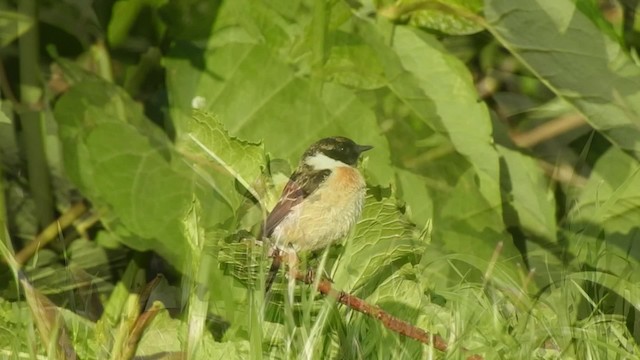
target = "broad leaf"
x: 438, y: 92
x: 605, y: 219
x: 383, y: 241
x: 12, y: 26
x: 125, y: 164
x: 578, y: 62
x: 257, y: 96
x: 453, y: 17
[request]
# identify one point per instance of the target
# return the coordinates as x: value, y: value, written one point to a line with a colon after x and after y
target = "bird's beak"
x: 363, y: 148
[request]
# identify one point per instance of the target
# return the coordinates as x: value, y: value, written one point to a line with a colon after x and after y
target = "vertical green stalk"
x: 3, y: 213
x: 30, y: 118
x: 319, y: 42
x: 628, y: 19
x: 196, y: 282
x: 6, y: 248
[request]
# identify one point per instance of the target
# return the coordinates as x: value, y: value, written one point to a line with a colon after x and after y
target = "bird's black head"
x: 338, y: 148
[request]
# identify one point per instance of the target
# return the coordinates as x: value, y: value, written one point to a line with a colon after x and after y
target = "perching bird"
x: 321, y: 202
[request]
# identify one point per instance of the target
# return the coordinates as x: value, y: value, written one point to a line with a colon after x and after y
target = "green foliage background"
x: 180, y: 120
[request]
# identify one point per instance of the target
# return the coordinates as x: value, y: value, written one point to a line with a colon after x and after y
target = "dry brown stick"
x: 389, y: 321
x: 147, y: 290
x: 50, y: 232
x: 549, y: 130
x: 563, y: 173
x: 49, y: 322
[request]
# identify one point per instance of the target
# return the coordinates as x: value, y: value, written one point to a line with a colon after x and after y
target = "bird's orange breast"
x: 327, y: 215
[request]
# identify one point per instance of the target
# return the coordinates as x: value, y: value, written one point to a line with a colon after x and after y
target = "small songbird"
x: 321, y: 202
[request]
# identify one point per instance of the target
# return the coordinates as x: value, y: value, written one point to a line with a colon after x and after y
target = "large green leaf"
x: 12, y: 26
x: 529, y: 211
x: 383, y: 241
x: 352, y: 63
x: 437, y: 90
x: 136, y: 181
x: 576, y: 60
x: 221, y: 161
x: 257, y: 96
x: 174, y: 335
x: 454, y: 17
x: 125, y: 164
x: 605, y: 219
x: 528, y: 190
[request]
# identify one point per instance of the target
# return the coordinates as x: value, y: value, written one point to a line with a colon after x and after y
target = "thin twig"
x: 50, y: 232
x: 389, y: 321
x: 563, y: 173
x: 147, y: 290
x: 549, y: 130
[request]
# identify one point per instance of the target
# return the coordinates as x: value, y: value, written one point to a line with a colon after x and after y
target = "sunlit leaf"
x: 383, y: 240
x: 454, y: 17
x: 581, y: 64
x: 12, y: 26
x: 275, y: 105
x: 605, y: 217
x: 206, y: 145
x: 126, y: 164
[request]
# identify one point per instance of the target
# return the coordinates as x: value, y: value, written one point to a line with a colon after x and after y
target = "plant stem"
x: 318, y: 36
x: 31, y: 120
x: 50, y: 232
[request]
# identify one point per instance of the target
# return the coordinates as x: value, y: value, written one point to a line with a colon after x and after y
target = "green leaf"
x: 605, y: 217
x: 401, y: 296
x: 277, y: 105
x: 576, y: 60
x: 138, y: 182
x: 105, y: 330
x: 453, y: 17
x: 427, y: 88
x: 12, y: 26
x: 437, y: 90
x: 528, y: 190
x: 529, y: 212
x: 383, y: 241
x: 124, y: 163
x: 123, y: 17
x: 413, y: 189
x: 173, y: 333
x: 91, y: 102
x: 205, y: 142
x: 191, y: 19
x: 626, y: 289
x: 468, y: 224
x: 352, y: 63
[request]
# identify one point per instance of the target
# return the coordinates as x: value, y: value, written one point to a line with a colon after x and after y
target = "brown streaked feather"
x: 301, y: 185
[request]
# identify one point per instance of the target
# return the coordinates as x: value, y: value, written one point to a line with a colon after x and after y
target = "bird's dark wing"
x: 301, y: 185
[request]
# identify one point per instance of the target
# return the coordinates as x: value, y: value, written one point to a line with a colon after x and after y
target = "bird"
x: 320, y: 204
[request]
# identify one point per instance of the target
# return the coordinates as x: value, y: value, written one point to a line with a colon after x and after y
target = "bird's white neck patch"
x: 321, y: 161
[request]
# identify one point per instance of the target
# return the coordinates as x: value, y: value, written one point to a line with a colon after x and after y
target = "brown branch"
x: 389, y: 321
